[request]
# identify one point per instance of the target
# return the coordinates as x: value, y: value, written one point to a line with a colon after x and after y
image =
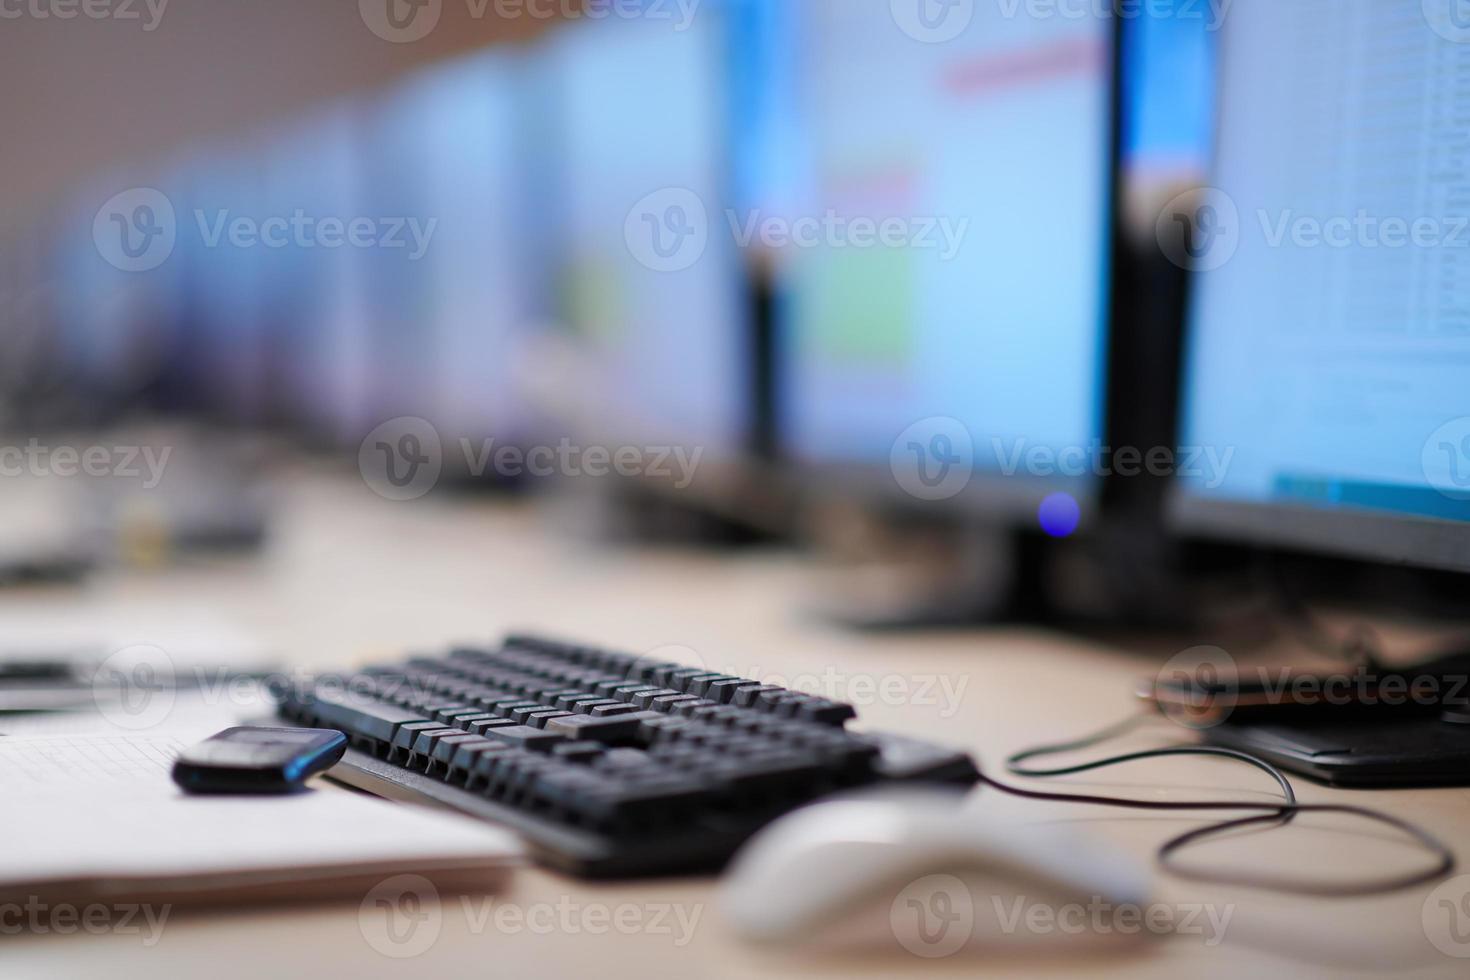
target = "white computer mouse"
x: 798, y: 877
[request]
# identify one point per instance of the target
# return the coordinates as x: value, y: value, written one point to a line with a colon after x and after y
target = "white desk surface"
x: 349, y: 578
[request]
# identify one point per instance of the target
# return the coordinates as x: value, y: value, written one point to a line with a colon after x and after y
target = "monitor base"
x: 930, y: 577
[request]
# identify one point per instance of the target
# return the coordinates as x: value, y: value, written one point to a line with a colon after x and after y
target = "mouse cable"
x: 1274, y: 813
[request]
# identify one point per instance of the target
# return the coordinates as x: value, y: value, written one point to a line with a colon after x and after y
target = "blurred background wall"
x: 83, y: 94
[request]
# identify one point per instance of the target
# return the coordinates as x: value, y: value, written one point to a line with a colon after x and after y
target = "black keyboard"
x: 608, y: 764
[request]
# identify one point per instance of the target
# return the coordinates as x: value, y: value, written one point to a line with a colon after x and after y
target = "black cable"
x: 1274, y: 813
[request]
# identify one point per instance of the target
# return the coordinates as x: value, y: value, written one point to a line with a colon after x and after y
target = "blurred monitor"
x: 945, y: 326
x: 453, y: 283
x: 651, y: 284
x: 117, y: 293
x: 477, y: 159
x: 225, y: 337
x: 312, y: 308
x: 1329, y: 339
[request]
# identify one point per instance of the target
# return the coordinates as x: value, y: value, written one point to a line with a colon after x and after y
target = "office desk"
x: 349, y: 578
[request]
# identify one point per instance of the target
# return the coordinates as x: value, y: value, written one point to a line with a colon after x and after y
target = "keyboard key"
x: 615, y: 730
x: 526, y: 737
x: 578, y: 751
x: 749, y: 695
x: 361, y: 716
x: 612, y: 710
x: 481, y: 727
x: 644, y: 699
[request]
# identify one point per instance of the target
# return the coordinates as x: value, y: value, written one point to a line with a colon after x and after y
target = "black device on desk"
x: 1334, y: 370
x: 248, y: 761
x: 610, y: 764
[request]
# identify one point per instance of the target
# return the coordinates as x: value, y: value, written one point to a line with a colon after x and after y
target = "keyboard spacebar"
x: 357, y: 715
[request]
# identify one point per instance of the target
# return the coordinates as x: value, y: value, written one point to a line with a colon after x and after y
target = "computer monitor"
x: 453, y: 284
x: 651, y: 283
x: 1329, y: 334
x: 312, y: 308
x: 225, y: 341
x: 478, y: 158
x: 945, y: 325
x: 117, y: 293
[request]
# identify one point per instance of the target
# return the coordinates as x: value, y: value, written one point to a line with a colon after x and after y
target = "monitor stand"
x: 924, y: 575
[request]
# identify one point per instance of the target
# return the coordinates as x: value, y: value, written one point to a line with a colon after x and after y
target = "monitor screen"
x: 117, y: 299
x: 309, y: 266
x: 1329, y: 339
x: 650, y: 281
x: 472, y: 155
x: 947, y: 265
x: 227, y: 341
